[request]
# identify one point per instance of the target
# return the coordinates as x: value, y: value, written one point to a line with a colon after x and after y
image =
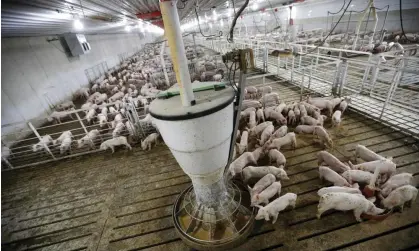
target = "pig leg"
x: 401, y: 208
x: 320, y: 210
x: 357, y: 214
x: 274, y: 217
x: 128, y: 146
x: 112, y: 148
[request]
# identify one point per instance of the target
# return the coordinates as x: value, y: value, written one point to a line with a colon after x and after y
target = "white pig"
x: 336, y: 118
x: 89, y: 139
x: 321, y: 104
x: 309, y: 129
x: 366, y: 154
x: 345, y: 202
x: 66, y: 145
x: 264, y: 196
x: 291, y: 117
x: 357, y: 176
x: 334, y: 163
x: 260, y: 115
x: 288, y: 139
x: 332, y: 176
x: 322, y: 134
x: 246, y: 113
x: 118, y: 129
x: 246, y: 158
x: 386, y: 166
x: 263, y: 183
x: 281, y: 132
x: 277, y: 156
x: 257, y: 130
x: 396, y: 181
x: 90, y: 115
x: 266, y: 134
x: 243, y: 142
x: 273, y: 208
x: 260, y: 171
x: 338, y: 189
x: 252, y: 120
x: 111, y: 143
x: 149, y: 140
x: 399, y: 196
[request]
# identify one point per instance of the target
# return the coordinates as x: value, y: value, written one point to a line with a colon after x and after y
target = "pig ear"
x: 250, y: 189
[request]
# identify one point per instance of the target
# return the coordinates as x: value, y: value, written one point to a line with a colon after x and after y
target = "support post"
x: 177, y: 49
x: 163, y: 63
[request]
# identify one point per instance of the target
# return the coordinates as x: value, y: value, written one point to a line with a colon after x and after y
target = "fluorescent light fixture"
x: 78, y: 25
x: 254, y: 6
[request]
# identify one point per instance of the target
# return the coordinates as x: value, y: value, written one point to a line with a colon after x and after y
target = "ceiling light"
x: 78, y: 25
x: 254, y: 6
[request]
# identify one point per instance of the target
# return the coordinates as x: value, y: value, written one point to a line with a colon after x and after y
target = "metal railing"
x: 386, y: 91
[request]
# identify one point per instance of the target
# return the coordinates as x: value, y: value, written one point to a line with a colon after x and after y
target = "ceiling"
x: 52, y: 17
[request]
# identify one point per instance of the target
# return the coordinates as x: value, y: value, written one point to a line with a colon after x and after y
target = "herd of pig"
x: 264, y: 132
x: 137, y: 81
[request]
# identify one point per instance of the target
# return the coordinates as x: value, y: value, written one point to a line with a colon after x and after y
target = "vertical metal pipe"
x: 39, y: 137
x: 292, y: 70
x: 311, y: 74
x: 347, y: 28
x: 302, y: 85
x: 177, y: 49
x: 163, y: 63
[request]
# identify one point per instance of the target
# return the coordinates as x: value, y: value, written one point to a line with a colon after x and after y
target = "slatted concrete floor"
x: 124, y: 201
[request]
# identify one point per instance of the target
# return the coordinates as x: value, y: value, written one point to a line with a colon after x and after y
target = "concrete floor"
x: 124, y: 201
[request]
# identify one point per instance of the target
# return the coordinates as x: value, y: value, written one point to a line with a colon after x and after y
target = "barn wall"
x: 35, y: 70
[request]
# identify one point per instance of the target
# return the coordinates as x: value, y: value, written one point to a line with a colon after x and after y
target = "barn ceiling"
x: 51, y: 17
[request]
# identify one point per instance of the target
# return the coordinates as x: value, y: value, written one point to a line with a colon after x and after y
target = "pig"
x: 277, y: 116
x: 264, y: 90
x: 250, y: 103
x: 266, y: 134
x: 149, y: 140
x: 386, y: 166
x: 366, y: 154
x: 277, y: 156
x: 63, y: 135
x: 320, y: 118
x: 117, y: 96
x: 399, y: 196
x: 288, y: 139
x: 252, y: 120
x: 116, y: 120
x: 336, y: 101
x: 303, y: 111
x: 89, y: 139
x: 308, y: 129
x: 332, y: 176
x: 336, y: 118
x: 307, y: 120
x: 263, y: 183
x: 291, y: 117
x: 396, y: 181
x: 270, y: 99
x: 322, y: 134
x: 90, y: 115
x: 65, y: 106
x: 246, y: 113
x: 45, y: 140
x: 118, y: 129
x: 297, y: 112
x: 111, y: 143
x: 57, y: 115
x: 344, y: 104
x: 280, y: 107
x: 281, y: 132
x: 260, y: 117
x: 246, y: 158
x: 321, y: 104
x: 338, y: 189
x: 334, y: 163
x: 345, y: 202
x: 257, y: 130
x: 264, y: 196
x: 66, y: 145
x: 273, y: 208
x: 130, y: 128
x: 311, y: 109
x: 102, y: 120
x: 101, y: 98
x: 251, y: 90
x: 243, y: 142
x: 260, y: 171
x: 358, y: 176
x: 93, y: 97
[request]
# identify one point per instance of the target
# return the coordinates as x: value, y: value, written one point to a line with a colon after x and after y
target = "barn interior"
x: 209, y: 125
